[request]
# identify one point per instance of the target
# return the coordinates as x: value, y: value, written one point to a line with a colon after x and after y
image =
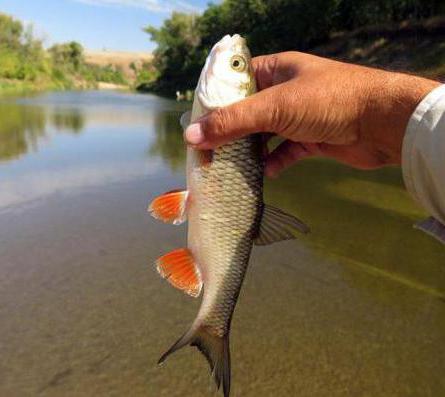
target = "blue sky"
x: 97, y: 24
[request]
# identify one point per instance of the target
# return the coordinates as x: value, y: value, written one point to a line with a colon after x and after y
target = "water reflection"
x: 20, y: 130
x: 23, y: 127
x: 168, y: 144
x: 71, y: 120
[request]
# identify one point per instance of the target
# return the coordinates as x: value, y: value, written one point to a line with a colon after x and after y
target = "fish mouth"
x: 235, y: 39
x: 235, y: 42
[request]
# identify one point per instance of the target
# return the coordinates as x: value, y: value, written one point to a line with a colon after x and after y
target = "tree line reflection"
x: 168, y: 143
x: 22, y: 128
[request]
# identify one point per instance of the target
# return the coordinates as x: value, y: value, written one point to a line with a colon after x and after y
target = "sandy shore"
x: 111, y: 86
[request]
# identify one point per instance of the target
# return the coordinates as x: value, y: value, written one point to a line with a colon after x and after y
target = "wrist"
x: 392, y: 99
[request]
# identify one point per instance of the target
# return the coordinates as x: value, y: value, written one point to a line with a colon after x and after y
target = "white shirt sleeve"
x: 423, y: 160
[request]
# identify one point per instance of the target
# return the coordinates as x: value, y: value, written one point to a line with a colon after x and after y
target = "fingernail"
x: 194, y: 134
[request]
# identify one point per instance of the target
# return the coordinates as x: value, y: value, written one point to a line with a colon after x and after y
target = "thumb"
x: 256, y: 113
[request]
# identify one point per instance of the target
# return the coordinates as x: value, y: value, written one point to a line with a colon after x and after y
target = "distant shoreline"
x: 10, y: 88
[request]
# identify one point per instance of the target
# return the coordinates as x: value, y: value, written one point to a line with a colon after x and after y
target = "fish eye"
x: 238, y: 63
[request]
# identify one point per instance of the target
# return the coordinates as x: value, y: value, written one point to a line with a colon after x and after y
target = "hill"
x: 119, y: 59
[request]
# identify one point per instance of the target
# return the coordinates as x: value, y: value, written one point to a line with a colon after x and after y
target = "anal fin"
x: 432, y: 227
x: 276, y: 225
x: 171, y: 207
x: 180, y: 270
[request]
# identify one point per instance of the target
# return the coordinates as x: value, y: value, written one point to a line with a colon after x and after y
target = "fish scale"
x: 231, y: 193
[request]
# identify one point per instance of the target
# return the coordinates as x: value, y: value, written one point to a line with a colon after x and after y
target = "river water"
x: 356, y: 308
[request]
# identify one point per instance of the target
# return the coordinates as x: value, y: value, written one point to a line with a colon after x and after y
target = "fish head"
x: 227, y: 76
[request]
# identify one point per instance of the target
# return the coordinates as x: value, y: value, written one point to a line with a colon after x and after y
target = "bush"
x: 10, y: 63
x: 106, y: 74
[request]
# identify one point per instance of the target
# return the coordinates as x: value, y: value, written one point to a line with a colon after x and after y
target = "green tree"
x: 21, y: 55
x: 70, y: 55
x: 352, y: 14
x: 183, y: 41
x: 11, y: 31
x: 175, y: 55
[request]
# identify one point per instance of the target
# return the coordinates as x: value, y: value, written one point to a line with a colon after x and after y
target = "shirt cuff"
x: 423, y: 158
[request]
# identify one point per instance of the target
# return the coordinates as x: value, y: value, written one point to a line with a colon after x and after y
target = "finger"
x: 264, y: 70
x: 287, y: 154
x: 254, y: 114
x: 274, y: 69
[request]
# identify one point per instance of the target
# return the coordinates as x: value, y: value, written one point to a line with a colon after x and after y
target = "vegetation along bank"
x: 397, y: 34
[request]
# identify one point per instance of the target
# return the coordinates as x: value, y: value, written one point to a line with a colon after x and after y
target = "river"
x: 356, y: 308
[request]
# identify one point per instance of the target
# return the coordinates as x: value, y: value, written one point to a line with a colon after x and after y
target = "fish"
x: 223, y: 204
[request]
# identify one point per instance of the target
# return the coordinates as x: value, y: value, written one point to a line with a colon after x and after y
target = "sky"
x: 97, y: 24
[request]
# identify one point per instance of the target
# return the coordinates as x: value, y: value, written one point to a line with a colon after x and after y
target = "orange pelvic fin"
x: 180, y: 270
x: 171, y: 207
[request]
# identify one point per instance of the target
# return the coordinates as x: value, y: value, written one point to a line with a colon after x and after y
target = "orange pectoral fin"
x: 179, y: 269
x: 171, y: 207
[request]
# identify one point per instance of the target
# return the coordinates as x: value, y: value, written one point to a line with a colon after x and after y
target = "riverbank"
x: 411, y: 46
x: 9, y: 87
x: 15, y: 87
x: 129, y: 64
x: 12, y: 87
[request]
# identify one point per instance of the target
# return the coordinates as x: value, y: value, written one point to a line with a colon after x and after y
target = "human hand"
x: 354, y: 114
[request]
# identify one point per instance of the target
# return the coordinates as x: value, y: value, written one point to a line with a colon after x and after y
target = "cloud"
x: 160, y: 6
x: 41, y: 184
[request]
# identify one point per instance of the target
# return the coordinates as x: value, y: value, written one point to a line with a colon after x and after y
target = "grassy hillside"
x: 128, y: 62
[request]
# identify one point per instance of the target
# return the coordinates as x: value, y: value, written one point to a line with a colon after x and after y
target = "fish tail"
x: 215, y: 349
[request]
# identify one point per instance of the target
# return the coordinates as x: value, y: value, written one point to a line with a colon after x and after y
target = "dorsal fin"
x: 276, y: 225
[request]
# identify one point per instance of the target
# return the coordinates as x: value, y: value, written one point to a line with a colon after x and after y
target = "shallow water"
x: 356, y: 308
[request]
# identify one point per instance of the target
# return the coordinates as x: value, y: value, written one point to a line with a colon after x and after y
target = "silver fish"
x: 224, y: 207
